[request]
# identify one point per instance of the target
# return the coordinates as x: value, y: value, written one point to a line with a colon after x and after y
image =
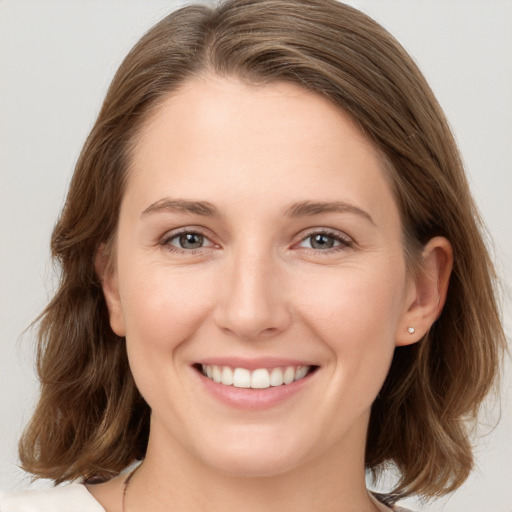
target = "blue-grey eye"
x: 188, y: 241
x: 320, y: 241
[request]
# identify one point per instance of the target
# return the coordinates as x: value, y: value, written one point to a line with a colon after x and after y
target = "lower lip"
x: 253, y: 399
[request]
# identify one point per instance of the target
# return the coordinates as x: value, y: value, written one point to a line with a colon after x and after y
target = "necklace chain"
x: 126, y: 483
x: 128, y: 479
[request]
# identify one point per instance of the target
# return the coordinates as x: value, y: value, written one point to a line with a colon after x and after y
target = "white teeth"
x: 217, y: 374
x: 276, y: 377
x: 261, y: 378
x: 301, y: 372
x: 227, y: 376
x: 289, y: 375
x: 241, y: 378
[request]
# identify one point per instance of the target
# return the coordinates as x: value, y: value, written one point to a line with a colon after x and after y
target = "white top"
x: 72, y: 497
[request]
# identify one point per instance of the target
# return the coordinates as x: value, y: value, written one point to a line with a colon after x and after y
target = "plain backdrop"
x: 57, y: 58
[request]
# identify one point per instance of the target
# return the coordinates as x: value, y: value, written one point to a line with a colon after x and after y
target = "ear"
x: 426, y: 292
x: 109, y: 283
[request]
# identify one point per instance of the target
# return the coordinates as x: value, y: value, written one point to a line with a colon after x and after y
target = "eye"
x: 320, y: 241
x: 187, y: 241
x: 325, y: 241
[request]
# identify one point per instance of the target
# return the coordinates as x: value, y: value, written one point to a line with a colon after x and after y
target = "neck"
x: 333, y: 481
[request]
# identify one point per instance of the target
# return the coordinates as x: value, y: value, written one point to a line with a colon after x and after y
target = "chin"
x: 255, y: 457
x: 254, y: 465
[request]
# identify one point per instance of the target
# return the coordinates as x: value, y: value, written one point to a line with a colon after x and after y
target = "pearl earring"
x: 411, y: 330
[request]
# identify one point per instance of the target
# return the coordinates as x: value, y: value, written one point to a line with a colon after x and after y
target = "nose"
x: 252, y: 300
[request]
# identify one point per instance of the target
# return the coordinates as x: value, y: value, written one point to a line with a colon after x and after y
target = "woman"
x: 265, y: 254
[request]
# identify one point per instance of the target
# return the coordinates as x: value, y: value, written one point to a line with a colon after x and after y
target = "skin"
x: 259, y: 288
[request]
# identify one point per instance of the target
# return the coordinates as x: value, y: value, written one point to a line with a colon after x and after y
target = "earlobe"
x: 109, y: 284
x: 427, y: 292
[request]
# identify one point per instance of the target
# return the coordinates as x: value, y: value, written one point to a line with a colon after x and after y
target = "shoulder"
x: 56, y: 499
x: 385, y: 499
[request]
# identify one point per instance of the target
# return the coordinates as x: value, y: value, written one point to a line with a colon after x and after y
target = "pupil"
x: 322, y: 242
x: 191, y: 240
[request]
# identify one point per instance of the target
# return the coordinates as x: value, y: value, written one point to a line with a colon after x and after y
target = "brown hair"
x: 91, y: 421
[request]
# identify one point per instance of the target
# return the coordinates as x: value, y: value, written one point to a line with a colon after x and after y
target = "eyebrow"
x: 203, y: 208
x: 310, y: 208
x: 300, y: 209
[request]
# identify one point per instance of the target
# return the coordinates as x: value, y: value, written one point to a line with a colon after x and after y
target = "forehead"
x: 211, y: 105
x: 225, y: 139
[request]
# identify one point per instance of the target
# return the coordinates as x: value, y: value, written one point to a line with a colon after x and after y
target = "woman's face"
x: 259, y: 241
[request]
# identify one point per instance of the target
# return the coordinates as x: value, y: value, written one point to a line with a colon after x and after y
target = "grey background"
x: 56, y: 60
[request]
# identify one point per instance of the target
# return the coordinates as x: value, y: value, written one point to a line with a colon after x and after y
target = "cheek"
x: 355, y: 311
x: 162, y: 307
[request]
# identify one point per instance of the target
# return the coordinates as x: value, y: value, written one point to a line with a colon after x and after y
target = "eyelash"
x: 344, y: 241
x: 168, y: 238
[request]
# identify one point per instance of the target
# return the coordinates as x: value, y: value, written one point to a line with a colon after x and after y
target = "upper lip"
x: 254, y: 363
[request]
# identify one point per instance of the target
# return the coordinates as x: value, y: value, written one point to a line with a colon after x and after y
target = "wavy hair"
x: 91, y: 421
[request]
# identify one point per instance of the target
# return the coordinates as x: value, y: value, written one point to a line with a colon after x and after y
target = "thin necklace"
x: 128, y: 479
x: 125, y: 486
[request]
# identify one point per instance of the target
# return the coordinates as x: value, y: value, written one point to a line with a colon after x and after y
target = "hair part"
x: 91, y: 420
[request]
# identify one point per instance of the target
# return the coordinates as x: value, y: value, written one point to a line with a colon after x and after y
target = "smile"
x: 259, y: 378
